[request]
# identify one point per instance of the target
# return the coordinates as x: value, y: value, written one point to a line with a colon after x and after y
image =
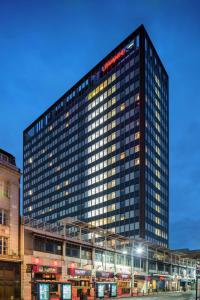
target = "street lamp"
x: 139, y: 250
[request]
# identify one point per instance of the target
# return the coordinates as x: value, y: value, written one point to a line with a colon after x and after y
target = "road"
x: 171, y: 296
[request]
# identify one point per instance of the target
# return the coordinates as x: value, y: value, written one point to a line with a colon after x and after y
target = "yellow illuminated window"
x: 158, y: 162
x: 109, y: 80
x: 157, y: 208
x: 158, y: 173
x: 105, y: 84
x: 157, y: 196
x: 137, y: 148
x: 158, y: 150
x: 137, y: 161
x: 122, y: 106
x: 113, y: 77
x: 137, y: 135
x: 113, y: 88
x: 122, y: 155
x: 113, y: 100
x: 101, y: 86
x: 97, y: 90
x: 157, y: 185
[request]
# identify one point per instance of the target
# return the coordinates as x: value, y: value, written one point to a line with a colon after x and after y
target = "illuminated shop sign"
x: 113, y: 59
x: 79, y: 272
x: 123, y: 276
x: 44, y: 269
x: 104, y: 274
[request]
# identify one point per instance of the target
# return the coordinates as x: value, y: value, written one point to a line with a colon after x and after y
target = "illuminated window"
x: 157, y: 196
x: 122, y: 106
x: 157, y: 208
x: 158, y: 162
x: 158, y: 173
x: 137, y: 135
x: 122, y: 155
x: 137, y: 148
x: 157, y: 185
x: 137, y: 161
x: 113, y: 88
x: 113, y: 76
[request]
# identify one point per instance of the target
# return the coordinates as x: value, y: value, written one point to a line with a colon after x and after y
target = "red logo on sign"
x: 113, y: 60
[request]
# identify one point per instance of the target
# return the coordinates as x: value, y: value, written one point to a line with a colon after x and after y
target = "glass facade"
x: 156, y: 147
x: 85, y: 157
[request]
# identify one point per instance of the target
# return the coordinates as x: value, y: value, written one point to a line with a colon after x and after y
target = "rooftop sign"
x: 113, y: 59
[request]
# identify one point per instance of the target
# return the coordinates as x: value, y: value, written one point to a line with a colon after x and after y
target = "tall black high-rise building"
x: 100, y: 153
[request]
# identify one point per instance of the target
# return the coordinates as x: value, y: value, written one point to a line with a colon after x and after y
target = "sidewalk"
x: 150, y: 294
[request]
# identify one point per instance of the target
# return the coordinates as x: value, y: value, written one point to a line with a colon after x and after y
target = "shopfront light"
x: 55, y: 263
x: 37, y: 260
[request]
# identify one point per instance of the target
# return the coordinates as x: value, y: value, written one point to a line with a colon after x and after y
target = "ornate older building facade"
x: 9, y: 227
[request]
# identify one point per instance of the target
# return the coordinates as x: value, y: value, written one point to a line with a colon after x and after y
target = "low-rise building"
x: 98, y: 262
x: 10, y: 262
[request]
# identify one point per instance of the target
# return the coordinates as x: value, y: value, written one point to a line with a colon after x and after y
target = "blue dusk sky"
x: 46, y: 46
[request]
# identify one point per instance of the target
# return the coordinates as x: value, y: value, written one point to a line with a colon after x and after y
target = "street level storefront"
x: 160, y: 282
x: 48, y: 274
x: 82, y: 283
x: 96, y: 271
x: 106, y: 285
x: 43, y: 291
x: 139, y: 284
x: 123, y: 284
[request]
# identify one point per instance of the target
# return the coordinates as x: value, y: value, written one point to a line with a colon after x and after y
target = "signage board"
x: 43, y: 291
x: 44, y: 269
x: 104, y: 274
x: 123, y: 276
x: 113, y: 292
x: 113, y: 60
x: 100, y: 290
x: 79, y: 272
x: 66, y: 291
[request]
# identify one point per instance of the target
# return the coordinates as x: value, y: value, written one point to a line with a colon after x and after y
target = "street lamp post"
x: 132, y: 268
x: 139, y: 250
